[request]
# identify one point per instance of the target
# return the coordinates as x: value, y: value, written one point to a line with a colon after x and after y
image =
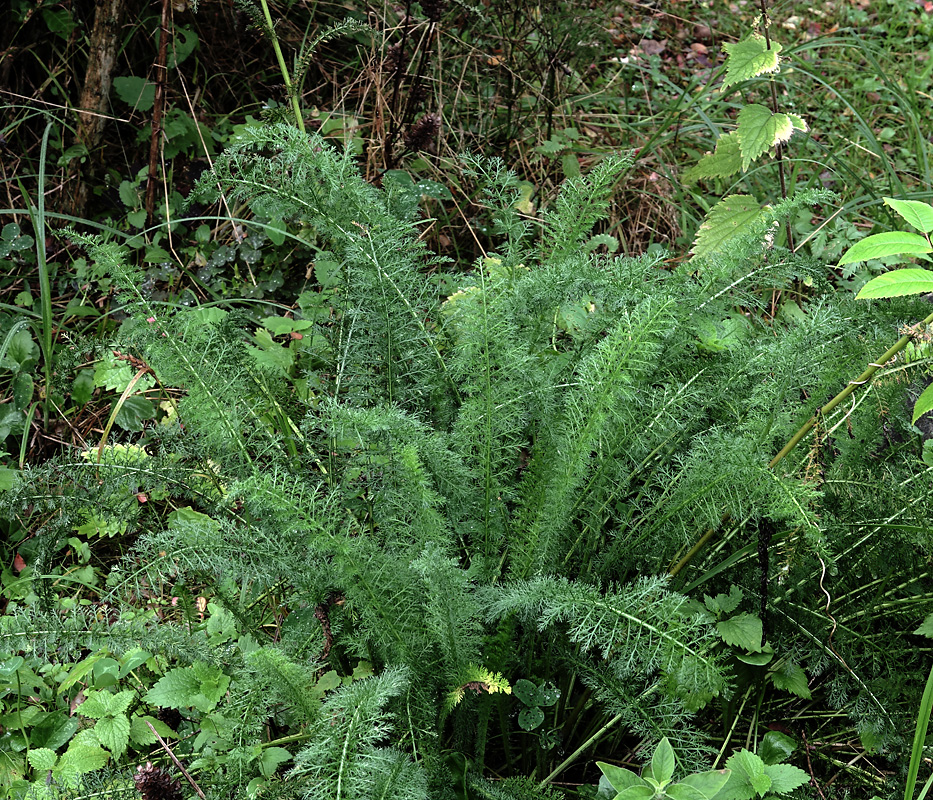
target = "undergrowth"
x: 367, y: 468
x: 354, y: 531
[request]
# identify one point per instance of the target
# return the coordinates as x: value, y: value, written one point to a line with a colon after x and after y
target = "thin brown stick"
x: 155, y: 141
x: 175, y: 760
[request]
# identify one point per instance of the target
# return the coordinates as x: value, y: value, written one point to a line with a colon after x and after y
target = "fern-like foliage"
x: 643, y: 630
x: 347, y: 757
x: 454, y: 493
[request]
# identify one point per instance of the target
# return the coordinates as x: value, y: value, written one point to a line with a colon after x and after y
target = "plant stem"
x: 861, y: 380
x: 573, y: 756
x: 916, y: 754
x: 158, y: 105
x: 779, y: 150
x: 270, y: 31
x: 45, y: 286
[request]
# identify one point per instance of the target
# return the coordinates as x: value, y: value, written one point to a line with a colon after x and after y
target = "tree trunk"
x: 105, y: 41
x: 94, y: 102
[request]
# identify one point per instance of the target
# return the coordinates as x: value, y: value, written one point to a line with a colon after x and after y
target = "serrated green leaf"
x: 42, y: 758
x: 785, y: 777
x: 82, y: 388
x: 743, y: 630
x: 798, y: 123
x: 926, y: 627
x: 724, y: 603
x: 917, y: 214
x: 96, y: 705
x: 924, y: 403
x: 611, y: 243
x: 724, y: 161
x: 129, y: 194
x: 22, y: 352
x: 140, y: 732
x: 120, y: 701
x: 748, y: 773
x: 619, y: 777
x: 776, y: 747
x: 175, y: 689
x: 570, y: 165
x: 113, y: 733
x: 892, y: 243
x: 662, y: 762
x: 81, y: 758
x: 759, y: 130
x: 791, y: 678
x: 135, y: 91
x: 897, y: 283
x: 750, y: 58
x: 730, y: 217
x: 707, y: 783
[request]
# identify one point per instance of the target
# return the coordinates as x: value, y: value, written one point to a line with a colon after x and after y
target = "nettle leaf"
x: 917, y: 214
x: 730, y: 217
x: 724, y: 603
x: 893, y: 243
x: 926, y: 627
x: 81, y: 758
x: 135, y: 410
x: 724, y: 161
x: 897, y: 283
x: 743, y: 630
x: 749, y: 59
x: 759, y: 130
x: 791, y: 678
x: 922, y: 406
x: 175, y: 689
x: 271, y: 758
x: 42, y: 759
x: 113, y: 733
x: 785, y: 777
x: 140, y: 732
x: 135, y: 91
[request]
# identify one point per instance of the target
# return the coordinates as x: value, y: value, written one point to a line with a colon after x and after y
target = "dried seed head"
x: 433, y: 9
x: 394, y: 59
x: 421, y: 135
x: 154, y: 783
x: 417, y: 95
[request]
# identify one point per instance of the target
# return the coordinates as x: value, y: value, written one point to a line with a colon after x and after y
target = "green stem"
x: 37, y: 216
x: 916, y: 754
x: 270, y: 30
x: 573, y: 756
x: 861, y: 380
